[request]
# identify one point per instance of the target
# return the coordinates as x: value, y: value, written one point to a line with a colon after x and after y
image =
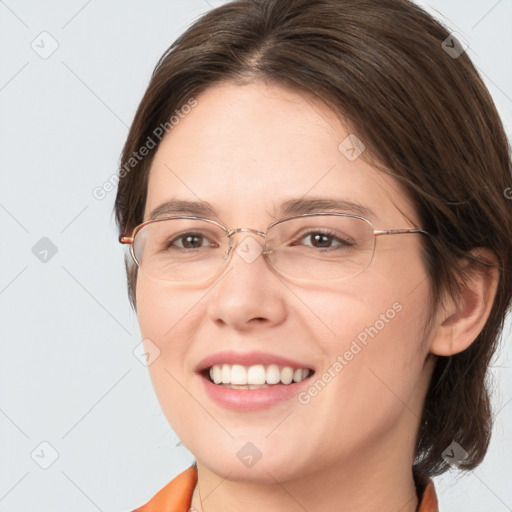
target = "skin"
x: 245, y: 150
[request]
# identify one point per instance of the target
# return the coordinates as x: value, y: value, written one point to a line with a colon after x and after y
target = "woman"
x: 314, y: 195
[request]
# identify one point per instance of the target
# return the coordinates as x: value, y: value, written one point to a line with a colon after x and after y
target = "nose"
x: 248, y: 293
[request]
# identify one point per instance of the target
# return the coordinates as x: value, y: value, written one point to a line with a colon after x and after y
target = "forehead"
x: 246, y: 150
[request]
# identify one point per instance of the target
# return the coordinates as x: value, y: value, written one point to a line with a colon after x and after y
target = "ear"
x: 460, y: 319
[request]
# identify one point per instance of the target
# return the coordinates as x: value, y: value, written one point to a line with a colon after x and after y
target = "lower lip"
x: 253, y: 399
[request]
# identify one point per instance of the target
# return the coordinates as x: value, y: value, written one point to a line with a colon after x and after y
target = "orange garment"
x: 177, y: 495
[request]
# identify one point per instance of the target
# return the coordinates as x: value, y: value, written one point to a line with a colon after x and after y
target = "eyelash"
x: 334, y: 238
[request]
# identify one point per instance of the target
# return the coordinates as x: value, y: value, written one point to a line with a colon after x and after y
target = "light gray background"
x: 68, y: 373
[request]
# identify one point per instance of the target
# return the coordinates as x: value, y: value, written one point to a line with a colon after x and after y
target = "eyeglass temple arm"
x: 379, y: 232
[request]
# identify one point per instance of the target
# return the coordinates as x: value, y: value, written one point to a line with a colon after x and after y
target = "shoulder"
x: 427, y: 497
x: 175, y: 496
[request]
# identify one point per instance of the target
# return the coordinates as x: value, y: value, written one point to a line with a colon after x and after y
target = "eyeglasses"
x: 309, y: 247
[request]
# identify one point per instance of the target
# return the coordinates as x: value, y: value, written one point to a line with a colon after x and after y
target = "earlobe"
x: 461, y: 319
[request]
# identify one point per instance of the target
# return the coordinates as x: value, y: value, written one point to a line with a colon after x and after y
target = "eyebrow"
x: 288, y: 208
x: 317, y: 204
x: 179, y: 207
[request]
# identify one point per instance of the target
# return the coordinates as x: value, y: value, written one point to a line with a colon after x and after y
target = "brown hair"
x: 424, y: 115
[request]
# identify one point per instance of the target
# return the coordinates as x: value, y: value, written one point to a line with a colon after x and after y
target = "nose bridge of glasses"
x: 246, y: 230
x: 249, y: 230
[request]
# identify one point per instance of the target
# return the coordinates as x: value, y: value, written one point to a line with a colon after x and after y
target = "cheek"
x: 386, y: 307
x: 374, y: 348
x: 164, y: 311
x: 381, y: 330
x: 382, y: 363
x: 167, y: 316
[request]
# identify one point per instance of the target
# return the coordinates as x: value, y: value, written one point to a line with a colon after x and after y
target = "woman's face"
x: 246, y: 150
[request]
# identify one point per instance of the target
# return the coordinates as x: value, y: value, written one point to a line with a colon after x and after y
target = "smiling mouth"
x: 235, y: 376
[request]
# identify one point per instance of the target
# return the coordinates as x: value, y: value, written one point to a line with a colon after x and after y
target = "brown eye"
x: 191, y: 241
x: 324, y: 240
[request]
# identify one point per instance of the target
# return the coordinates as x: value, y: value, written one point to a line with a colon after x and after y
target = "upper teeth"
x: 256, y: 375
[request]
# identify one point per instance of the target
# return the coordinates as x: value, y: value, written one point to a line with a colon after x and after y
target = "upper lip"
x: 248, y: 359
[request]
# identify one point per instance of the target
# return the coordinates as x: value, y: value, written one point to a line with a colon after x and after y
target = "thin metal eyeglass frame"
x: 376, y: 232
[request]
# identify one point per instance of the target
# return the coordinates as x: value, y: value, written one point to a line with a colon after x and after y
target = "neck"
x: 343, y: 487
